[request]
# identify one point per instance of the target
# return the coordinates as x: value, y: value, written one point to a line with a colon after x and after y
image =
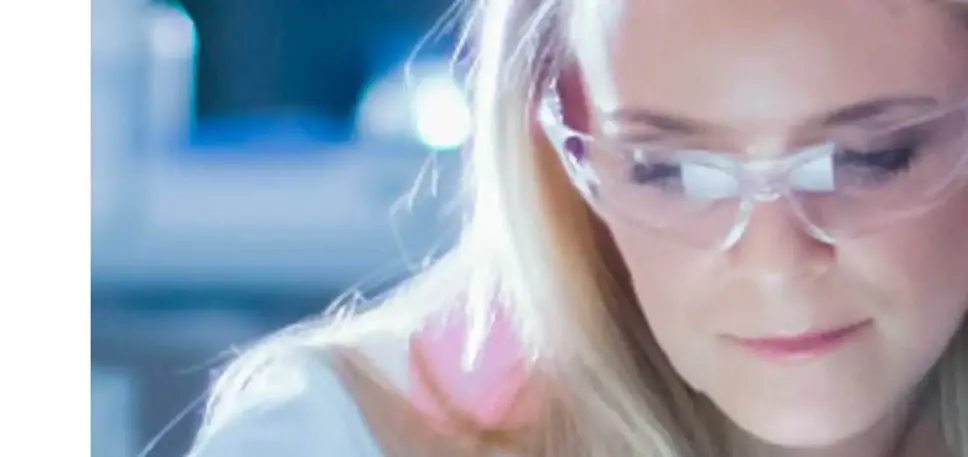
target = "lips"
x: 806, y: 344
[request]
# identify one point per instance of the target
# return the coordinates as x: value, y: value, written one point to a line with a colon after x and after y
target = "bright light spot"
x: 385, y: 110
x: 422, y: 103
x: 172, y: 33
x: 441, y: 116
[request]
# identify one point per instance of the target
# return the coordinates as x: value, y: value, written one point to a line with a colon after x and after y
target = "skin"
x: 756, y: 72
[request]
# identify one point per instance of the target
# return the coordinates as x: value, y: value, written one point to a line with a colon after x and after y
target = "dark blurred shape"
x: 310, y: 56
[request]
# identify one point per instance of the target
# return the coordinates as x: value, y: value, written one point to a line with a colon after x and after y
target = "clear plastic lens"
x: 840, y: 188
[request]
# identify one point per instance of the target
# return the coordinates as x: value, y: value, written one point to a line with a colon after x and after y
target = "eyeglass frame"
x: 756, y: 178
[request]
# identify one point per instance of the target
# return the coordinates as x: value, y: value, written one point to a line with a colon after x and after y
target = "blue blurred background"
x: 251, y: 160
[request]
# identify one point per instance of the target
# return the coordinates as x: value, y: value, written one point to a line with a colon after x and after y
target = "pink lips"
x: 802, y: 345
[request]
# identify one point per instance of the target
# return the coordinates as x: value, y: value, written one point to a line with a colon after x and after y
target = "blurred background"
x: 251, y: 160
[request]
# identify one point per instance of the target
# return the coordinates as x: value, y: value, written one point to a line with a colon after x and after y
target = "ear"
x: 570, y: 87
x: 574, y: 102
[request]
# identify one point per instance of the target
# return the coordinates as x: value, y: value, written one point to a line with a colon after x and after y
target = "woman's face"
x: 750, y: 76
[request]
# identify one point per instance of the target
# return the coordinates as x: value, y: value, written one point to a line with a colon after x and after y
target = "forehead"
x: 762, y: 61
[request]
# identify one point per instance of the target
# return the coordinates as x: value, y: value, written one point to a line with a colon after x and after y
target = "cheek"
x: 664, y: 272
x: 669, y: 281
x: 921, y: 268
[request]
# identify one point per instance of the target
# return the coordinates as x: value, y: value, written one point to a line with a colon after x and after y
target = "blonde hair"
x: 533, y: 245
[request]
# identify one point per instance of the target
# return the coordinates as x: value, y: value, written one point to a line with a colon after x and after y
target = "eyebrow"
x: 864, y: 111
x: 668, y: 122
x: 851, y: 114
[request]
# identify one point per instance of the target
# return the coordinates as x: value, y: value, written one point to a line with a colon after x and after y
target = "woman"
x: 698, y: 228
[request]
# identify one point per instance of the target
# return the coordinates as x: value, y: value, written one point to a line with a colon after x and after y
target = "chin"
x: 804, y: 436
x: 804, y: 429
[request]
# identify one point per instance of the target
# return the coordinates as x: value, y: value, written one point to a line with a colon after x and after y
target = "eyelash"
x: 892, y: 160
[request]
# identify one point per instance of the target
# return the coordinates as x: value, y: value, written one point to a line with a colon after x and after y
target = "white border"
x: 45, y: 228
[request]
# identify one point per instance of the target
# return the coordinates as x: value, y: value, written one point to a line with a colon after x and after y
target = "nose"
x: 776, y: 245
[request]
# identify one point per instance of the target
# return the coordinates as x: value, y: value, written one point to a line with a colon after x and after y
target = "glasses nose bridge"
x: 766, y: 180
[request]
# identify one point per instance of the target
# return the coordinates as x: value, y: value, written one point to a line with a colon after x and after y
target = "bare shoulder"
x: 284, y: 399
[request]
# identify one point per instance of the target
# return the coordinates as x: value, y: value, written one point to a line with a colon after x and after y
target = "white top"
x: 298, y: 407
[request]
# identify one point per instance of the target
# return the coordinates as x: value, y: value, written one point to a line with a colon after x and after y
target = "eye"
x: 658, y: 174
x: 679, y: 177
x: 892, y: 160
x: 874, y: 167
x: 655, y: 170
